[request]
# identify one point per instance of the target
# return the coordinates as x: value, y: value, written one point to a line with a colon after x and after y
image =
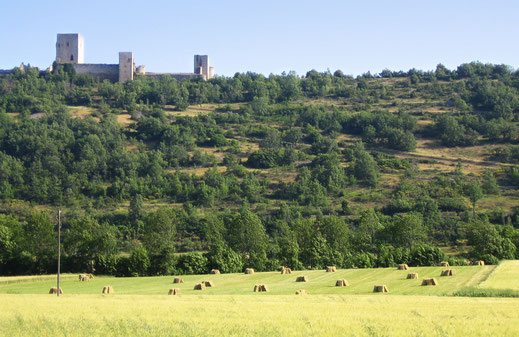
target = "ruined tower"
x: 126, y: 66
x: 70, y: 48
x: 202, y: 66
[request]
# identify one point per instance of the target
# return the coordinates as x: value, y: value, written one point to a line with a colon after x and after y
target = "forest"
x: 162, y: 177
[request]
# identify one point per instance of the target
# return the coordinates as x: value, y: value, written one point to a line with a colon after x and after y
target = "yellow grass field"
x: 140, y: 306
x: 505, y: 276
x: 248, y: 315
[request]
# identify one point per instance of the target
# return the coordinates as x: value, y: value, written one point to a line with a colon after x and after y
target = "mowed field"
x: 361, y: 282
x: 141, y: 306
x: 505, y: 276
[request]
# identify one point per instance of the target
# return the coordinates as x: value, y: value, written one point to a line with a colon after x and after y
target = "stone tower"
x: 202, y: 66
x: 70, y: 48
x: 126, y: 66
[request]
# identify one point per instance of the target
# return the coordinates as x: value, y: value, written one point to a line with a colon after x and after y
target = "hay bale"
x: 301, y: 278
x: 429, y: 282
x: 479, y: 263
x: 331, y: 269
x: 208, y: 283
x: 445, y: 264
x: 341, y: 283
x: 302, y: 292
x: 412, y: 276
x: 214, y: 271
x: 286, y: 270
x: 403, y: 267
x: 54, y: 290
x: 448, y: 272
x: 258, y: 288
x: 178, y: 280
x: 249, y: 271
x: 90, y: 276
x: 380, y: 289
x: 108, y: 290
x: 174, y: 291
x: 199, y: 286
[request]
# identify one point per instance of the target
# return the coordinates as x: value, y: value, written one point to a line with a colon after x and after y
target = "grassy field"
x: 505, y: 276
x: 249, y: 315
x: 140, y: 306
x: 361, y: 282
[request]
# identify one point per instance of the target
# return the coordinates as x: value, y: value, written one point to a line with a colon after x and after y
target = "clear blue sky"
x: 267, y: 36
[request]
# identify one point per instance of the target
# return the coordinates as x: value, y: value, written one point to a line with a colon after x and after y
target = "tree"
x: 408, y: 230
x: 247, y: 236
x: 85, y: 239
x: 474, y: 192
x: 364, y: 166
x: 160, y: 231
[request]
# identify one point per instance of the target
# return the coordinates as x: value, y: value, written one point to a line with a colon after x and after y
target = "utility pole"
x: 59, y: 247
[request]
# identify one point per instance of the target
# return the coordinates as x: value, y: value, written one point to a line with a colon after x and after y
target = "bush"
x: 489, y: 259
x: 225, y: 259
x: 193, y: 263
x: 139, y: 262
x: 425, y: 255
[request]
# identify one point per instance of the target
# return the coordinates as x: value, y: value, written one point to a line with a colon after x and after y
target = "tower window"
x: 72, y: 57
x: 67, y: 44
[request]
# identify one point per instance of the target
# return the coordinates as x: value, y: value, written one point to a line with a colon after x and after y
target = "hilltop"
x: 300, y: 171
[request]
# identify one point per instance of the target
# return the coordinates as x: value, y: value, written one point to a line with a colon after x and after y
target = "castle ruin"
x: 70, y: 49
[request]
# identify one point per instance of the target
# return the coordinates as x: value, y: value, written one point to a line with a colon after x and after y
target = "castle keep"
x: 70, y: 49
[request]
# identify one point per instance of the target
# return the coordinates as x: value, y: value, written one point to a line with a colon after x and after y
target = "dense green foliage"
x: 292, y: 168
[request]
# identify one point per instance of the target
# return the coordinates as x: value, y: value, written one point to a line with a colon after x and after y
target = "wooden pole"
x: 59, y: 247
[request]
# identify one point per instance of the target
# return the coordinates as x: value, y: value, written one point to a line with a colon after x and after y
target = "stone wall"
x: 99, y: 71
x: 177, y: 76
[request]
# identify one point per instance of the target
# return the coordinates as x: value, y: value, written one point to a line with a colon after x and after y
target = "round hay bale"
x: 445, y: 264
x: 429, y: 282
x: 199, y: 286
x: 380, y: 289
x: 302, y: 292
x: 214, y: 271
x: 341, y: 283
x: 174, y: 291
x: 331, y: 269
x: 301, y: 278
x: 403, y: 267
x: 108, y: 290
x: 178, y: 280
x: 249, y: 271
x: 54, y: 290
x: 412, y: 276
x: 286, y: 270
